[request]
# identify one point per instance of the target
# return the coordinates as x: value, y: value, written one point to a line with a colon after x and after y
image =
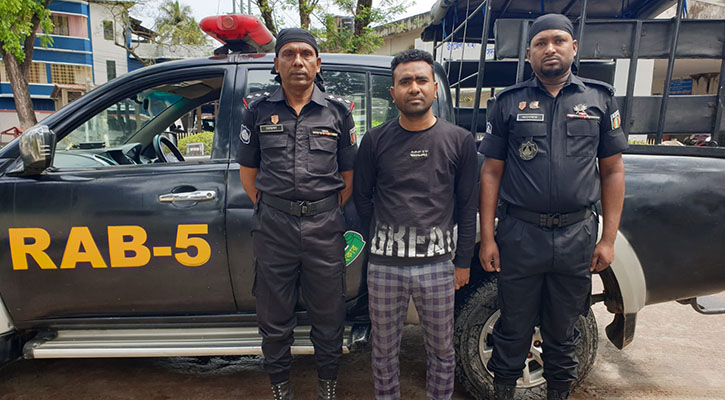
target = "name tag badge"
x: 530, y: 117
x: 271, y: 128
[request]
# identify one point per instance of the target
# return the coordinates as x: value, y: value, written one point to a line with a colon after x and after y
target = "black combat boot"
x: 282, y: 391
x: 503, y: 392
x: 326, y: 389
x: 552, y: 394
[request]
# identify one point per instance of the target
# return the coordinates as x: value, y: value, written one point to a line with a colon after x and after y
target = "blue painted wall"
x: 69, y: 7
x: 7, y: 103
x: 67, y: 43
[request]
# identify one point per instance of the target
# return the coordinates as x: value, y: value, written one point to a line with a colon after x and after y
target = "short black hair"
x: 410, y: 56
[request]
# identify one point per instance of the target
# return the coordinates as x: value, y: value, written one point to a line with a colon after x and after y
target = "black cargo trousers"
x: 296, y: 255
x: 544, y: 280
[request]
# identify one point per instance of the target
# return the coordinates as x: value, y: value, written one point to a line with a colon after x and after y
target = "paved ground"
x: 677, y: 354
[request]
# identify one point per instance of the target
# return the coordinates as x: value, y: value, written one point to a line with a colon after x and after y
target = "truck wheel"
x: 472, y: 341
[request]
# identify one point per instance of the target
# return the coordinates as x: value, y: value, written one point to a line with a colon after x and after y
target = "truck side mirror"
x: 37, y: 148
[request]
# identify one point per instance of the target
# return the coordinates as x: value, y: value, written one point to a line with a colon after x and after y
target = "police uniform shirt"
x: 550, y: 145
x: 299, y: 157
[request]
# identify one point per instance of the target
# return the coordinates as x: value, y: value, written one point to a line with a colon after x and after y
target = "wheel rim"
x: 533, y: 372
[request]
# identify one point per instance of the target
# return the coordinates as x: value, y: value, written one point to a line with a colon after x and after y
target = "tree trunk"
x: 362, y: 16
x: 266, y: 11
x: 21, y: 91
x: 304, y: 15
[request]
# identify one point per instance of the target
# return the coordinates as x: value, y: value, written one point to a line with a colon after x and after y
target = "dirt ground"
x: 676, y: 354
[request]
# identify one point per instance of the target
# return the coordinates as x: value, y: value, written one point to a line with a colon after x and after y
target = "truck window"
x: 383, y: 108
x: 183, y: 111
x: 350, y: 85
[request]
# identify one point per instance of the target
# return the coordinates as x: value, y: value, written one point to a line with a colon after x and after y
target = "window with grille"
x: 108, y: 30
x: 36, y: 74
x: 68, y: 74
x: 60, y: 25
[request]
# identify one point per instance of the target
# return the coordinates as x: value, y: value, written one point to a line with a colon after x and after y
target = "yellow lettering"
x: 81, y: 236
x: 118, y: 246
x: 19, y: 249
x: 183, y: 241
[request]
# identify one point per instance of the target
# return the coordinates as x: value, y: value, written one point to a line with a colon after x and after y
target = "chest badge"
x: 528, y: 150
x: 274, y: 118
x: 522, y: 105
x: 534, y: 105
x: 324, y: 132
x: 580, y: 109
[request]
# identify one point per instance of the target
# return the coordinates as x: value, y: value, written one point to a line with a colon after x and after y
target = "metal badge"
x: 274, y: 118
x: 528, y: 150
x: 522, y: 105
x: 534, y: 105
x: 353, y: 135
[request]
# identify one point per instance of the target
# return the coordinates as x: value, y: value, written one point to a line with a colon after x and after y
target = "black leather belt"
x: 549, y: 220
x: 300, y: 208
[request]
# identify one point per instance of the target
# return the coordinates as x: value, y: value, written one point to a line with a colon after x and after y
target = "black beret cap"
x: 550, y: 21
x: 289, y: 35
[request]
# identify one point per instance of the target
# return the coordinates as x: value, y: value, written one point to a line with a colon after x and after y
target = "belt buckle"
x: 302, y: 207
x: 553, y: 219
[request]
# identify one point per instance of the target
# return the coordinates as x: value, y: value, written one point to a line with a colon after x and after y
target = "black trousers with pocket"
x: 544, y: 280
x: 299, y: 256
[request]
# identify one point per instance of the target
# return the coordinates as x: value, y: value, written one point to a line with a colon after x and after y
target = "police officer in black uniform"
x: 298, y: 147
x: 553, y: 146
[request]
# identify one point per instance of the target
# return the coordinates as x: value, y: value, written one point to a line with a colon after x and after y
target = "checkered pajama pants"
x: 389, y: 289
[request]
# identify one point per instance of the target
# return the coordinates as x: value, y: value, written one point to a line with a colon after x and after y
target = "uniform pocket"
x: 323, y: 154
x: 523, y: 131
x: 273, y: 150
x: 581, y: 137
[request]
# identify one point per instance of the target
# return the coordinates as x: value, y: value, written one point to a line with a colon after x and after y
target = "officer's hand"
x: 462, y: 275
x: 489, y: 256
x: 602, y: 257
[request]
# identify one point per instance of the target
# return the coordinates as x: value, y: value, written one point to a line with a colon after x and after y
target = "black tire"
x: 475, y: 316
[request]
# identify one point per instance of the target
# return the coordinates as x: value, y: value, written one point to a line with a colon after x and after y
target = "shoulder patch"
x: 253, y: 98
x: 340, y: 101
x: 600, y: 84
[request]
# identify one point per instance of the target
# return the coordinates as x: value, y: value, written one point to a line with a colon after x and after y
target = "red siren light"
x: 233, y: 30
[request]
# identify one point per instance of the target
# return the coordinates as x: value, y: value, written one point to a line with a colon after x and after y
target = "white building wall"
x: 104, y: 49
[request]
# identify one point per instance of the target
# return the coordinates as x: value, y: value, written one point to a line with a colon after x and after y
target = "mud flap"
x: 621, y: 331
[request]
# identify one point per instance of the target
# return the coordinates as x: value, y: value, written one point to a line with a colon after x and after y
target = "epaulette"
x: 510, y: 88
x: 347, y: 104
x: 253, y: 98
x: 595, y: 82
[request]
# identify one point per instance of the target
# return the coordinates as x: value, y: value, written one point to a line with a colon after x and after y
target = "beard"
x: 415, y: 110
x: 553, y: 71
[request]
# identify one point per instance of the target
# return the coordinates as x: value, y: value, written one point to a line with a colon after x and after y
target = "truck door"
x: 353, y: 83
x: 113, y: 230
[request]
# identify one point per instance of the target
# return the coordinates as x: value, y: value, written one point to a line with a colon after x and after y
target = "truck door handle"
x: 199, y: 195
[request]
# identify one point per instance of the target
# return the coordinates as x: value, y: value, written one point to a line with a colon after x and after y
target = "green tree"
x: 18, y: 30
x: 362, y: 38
x: 176, y: 26
x: 266, y: 10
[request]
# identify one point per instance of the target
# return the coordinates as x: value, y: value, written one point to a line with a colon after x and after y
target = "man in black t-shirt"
x: 415, y: 179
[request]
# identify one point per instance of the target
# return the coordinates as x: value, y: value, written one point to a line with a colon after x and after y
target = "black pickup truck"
x: 114, y: 244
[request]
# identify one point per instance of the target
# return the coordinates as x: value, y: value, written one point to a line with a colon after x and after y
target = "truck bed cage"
x: 607, y: 37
